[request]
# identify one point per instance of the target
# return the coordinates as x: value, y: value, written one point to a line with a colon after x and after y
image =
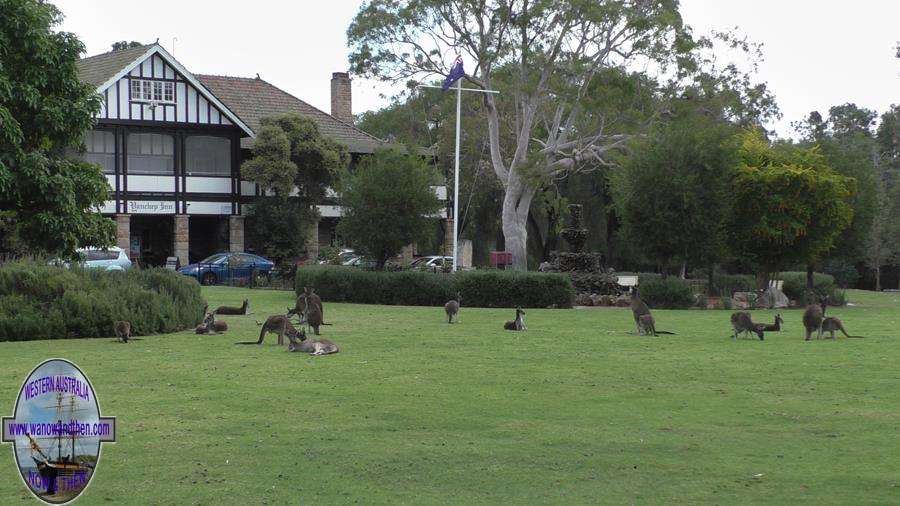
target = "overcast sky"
x: 818, y: 53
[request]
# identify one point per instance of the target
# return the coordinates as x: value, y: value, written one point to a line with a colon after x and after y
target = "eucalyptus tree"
x: 544, y: 56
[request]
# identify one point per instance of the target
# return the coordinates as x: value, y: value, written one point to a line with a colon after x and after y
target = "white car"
x: 431, y: 263
x: 113, y: 258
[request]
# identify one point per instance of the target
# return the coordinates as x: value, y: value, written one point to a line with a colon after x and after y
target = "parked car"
x: 228, y: 267
x: 431, y: 263
x: 113, y: 258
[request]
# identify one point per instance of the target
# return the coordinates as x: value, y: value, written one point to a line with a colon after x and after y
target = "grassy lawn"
x: 575, y: 410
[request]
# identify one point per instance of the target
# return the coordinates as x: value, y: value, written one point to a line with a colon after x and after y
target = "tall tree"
x: 543, y: 55
x: 789, y: 205
x: 49, y: 202
x: 387, y: 203
x: 673, y: 193
x: 290, y: 153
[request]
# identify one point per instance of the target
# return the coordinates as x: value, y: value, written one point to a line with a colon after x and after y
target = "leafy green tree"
x: 48, y: 200
x: 124, y: 44
x: 387, y: 203
x: 277, y: 227
x: 789, y: 205
x: 672, y: 194
x: 290, y: 153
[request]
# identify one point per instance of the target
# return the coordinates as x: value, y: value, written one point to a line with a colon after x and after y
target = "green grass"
x: 413, y: 410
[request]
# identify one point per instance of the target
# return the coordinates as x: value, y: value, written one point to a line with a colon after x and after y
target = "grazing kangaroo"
x: 309, y: 308
x: 518, y: 323
x: 743, y: 324
x: 299, y: 343
x: 122, y: 330
x: 452, y: 309
x: 276, y: 324
x: 244, y: 309
x: 812, y: 320
x: 830, y: 324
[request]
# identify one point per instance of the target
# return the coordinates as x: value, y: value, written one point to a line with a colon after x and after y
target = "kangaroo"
x: 743, y: 324
x: 776, y: 327
x: 638, y: 309
x: 647, y: 325
x: 812, y: 320
x: 518, y: 323
x: 309, y: 308
x: 122, y: 330
x: 831, y: 323
x: 244, y: 309
x: 275, y: 324
x: 298, y: 342
x: 210, y: 325
x: 452, y: 309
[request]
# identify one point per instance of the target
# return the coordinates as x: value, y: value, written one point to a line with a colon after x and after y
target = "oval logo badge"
x: 56, y: 431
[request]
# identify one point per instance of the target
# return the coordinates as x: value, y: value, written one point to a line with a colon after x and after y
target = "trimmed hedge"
x: 413, y: 288
x: 669, y: 293
x: 47, y: 302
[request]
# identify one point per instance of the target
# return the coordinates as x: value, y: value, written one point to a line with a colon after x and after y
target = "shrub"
x: 728, y: 284
x: 46, y: 302
x: 669, y: 293
x: 795, y: 285
x: 414, y: 288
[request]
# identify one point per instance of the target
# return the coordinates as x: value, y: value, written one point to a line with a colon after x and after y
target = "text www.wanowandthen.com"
x: 70, y: 428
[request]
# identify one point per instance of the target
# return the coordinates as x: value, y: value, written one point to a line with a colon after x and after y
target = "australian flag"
x: 455, y: 74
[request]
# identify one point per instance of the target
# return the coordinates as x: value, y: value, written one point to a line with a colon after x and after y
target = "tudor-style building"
x: 171, y: 144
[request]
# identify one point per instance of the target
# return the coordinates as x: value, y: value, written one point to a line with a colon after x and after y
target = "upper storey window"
x: 145, y: 90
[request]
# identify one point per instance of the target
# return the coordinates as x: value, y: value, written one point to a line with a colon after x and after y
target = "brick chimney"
x: 341, y: 101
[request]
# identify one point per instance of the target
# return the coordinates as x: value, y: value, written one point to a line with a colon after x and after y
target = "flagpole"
x: 456, y: 178
x: 459, y: 90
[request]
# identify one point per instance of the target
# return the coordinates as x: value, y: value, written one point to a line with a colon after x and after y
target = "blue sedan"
x: 228, y: 267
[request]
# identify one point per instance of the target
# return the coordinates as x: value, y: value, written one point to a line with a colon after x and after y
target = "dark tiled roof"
x: 97, y: 69
x: 253, y: 99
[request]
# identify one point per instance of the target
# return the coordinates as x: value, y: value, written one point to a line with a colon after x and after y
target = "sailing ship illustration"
x: 66, y: 473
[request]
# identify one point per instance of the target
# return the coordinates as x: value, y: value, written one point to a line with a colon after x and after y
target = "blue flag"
x: 455, y: 74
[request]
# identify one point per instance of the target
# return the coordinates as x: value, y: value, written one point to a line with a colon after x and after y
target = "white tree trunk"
x: 516, y: 205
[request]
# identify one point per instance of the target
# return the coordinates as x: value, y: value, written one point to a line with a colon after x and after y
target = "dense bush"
x: 669, y: 293
x: 412, y: 288
x: 727, y: 284
x: 795, y: 286
x: 45, y: 302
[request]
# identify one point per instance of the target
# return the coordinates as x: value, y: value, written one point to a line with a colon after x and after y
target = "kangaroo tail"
x: 848, y: 335
x: 247, y: 342
x: 664, y: 332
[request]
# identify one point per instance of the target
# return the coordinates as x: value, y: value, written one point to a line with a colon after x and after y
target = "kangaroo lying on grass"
x: 244, y: 309
x: 123, y: 331
x: 775, y: 327
x: 210, y: 325
x: 518, y: 323
x: 830, y: 324
x: 452, y: 309
x: 277, y: 324
x: 300, y: 343
x: 742, y: 323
